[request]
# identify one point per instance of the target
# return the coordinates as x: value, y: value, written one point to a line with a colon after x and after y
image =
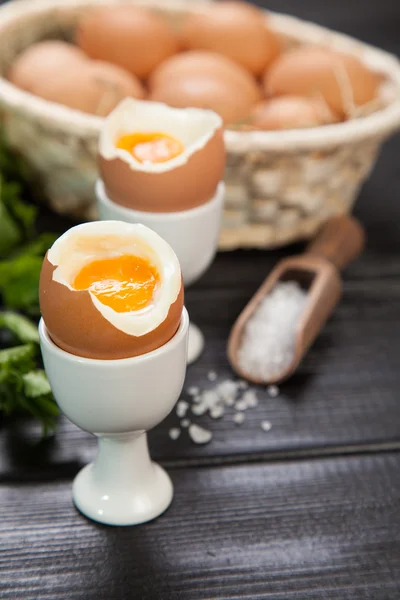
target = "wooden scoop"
x: 339, y: 242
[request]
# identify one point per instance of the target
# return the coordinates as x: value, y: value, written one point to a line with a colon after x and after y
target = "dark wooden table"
x: 309, y: 509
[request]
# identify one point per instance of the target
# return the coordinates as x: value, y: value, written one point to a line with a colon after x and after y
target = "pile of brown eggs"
x: 224, y: 57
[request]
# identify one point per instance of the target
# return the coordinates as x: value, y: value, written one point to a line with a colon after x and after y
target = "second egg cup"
x: 193, y: 235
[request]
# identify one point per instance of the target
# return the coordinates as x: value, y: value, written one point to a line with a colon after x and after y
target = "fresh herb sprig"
x: 24, y: 387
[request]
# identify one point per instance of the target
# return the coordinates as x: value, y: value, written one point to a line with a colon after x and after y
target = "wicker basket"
x: 280, y: 185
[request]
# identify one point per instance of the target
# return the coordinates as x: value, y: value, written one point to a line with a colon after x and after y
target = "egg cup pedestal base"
x: 122, y: 486
x: 193, y: 234
x: 195, y: 343
x: 118, y: 401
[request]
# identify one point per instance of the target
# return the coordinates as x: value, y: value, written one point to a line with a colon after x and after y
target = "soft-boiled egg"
x: 111, y: 290
x: 156, y: 158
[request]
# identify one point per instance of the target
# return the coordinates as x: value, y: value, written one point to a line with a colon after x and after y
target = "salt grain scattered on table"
x: 238, y: 418
x: 212, y: 376
x: 273, y: 391
x: 181, y: 408
x: 199, y: 409
x: 269, y: 337
x: 228, y: 390
x: 199, y: 435
x: 193, y: 391
x: 250, y: 398
x: 241, y: 405
x: 266, y: 425
x: 174, y: 433
x: 216, y: 400
x: 216, y: 412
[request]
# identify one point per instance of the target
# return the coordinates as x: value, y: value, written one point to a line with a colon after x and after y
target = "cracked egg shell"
x: 78, y: 322
x: 181, y: 183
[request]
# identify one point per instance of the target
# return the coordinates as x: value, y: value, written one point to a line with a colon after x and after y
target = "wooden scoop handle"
x: 341, y: 240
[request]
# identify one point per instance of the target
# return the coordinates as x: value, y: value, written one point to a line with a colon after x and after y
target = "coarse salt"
x: 215, y: 401
x: 273, y: 391
x: 193, y: 390
x: 212, y: 376
x: 181, y: 408
x: 241, y: 405
x: 250, y: 398
x: 238, y: 418
x: 199, y: 435
x: 269, y: 338
x: 174, y: 433
x: 266, y: 425
x: 227, y: 391
x: 216, y: 412
x: 199, y: 409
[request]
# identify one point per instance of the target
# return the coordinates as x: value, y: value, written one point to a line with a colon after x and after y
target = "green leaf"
x: 36, y: 384
x: 23, y: 328
x: 24, y: 214
x: 48, y: 405
x: 38, y: 246
x: 23, y: 387
x: 18, y: 355
x: 10, y: 234
x: 19, y: 282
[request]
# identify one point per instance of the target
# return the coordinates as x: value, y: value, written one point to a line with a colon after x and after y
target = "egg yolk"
x: 124, y: 283
x: 151, y: 147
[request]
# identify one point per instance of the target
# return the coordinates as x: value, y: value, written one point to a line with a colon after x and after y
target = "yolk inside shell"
x: 151, y: 147
x: 124, y: 283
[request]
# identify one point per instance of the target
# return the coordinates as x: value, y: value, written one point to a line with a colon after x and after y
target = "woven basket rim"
x: 381, y: 123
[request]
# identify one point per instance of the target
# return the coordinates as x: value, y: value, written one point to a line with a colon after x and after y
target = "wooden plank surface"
x: 323, y: 529
x: 256, y: 514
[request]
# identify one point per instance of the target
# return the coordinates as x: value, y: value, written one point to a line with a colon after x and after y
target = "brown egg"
x: 184, y: 182
x: 203, y: 90
x: 80, y: 326
x: 235, y: 29
x: 130, y: 36
x: 205, y: 63
x: 291, y: 112
x: 42, y: 61
x: 93, y: 87
x: 276, y: 46
x: 342, y: 80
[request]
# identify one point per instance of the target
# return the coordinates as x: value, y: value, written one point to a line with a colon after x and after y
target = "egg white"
x: 88, y: 242
x: 194, y: 127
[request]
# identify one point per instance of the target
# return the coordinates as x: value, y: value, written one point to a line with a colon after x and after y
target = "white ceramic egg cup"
x: 118, y: 401
x: 193, y: 235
